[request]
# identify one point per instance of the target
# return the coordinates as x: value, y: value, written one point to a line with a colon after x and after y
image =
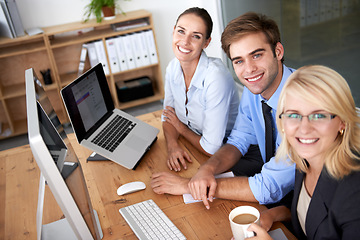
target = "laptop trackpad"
x: 136, y: 143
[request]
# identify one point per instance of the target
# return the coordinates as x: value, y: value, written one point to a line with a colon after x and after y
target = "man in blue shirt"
x: 252, y: 43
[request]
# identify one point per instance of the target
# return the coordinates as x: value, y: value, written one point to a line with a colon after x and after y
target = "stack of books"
x: 10, y: 21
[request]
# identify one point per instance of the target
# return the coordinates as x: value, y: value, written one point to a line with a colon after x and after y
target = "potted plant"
x: 99, y: 7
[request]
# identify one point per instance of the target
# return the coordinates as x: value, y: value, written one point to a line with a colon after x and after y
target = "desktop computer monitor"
x: 60, y: 170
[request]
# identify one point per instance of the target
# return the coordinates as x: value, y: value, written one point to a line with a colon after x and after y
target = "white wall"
x: 43, y: 13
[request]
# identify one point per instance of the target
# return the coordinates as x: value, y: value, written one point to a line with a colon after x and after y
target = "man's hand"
x: 165, y: 182
x: 202, y: 186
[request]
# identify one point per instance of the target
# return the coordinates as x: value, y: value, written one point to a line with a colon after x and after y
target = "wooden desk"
x: 19, y: 177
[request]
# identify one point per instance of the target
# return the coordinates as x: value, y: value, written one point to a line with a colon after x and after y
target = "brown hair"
x: 201, y: 13
x: 249, y: 23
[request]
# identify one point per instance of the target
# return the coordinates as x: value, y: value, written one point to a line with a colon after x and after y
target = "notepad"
x: 278, y: 234
x: 189, y: 199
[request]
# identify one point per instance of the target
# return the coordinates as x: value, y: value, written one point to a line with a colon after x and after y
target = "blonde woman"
x: 320, y: 130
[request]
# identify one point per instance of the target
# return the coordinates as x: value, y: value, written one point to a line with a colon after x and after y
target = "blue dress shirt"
x: 212, y: 100
x: 276, y: 178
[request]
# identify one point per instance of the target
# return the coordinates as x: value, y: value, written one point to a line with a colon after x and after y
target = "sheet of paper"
x: 189, y: 199
x: 278, y: 234
x: 34, y: 31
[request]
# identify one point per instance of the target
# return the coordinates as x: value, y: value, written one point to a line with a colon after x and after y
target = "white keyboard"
x: 148, y: 221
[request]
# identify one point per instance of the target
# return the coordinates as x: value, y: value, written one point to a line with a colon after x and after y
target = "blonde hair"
x: 327, y: 89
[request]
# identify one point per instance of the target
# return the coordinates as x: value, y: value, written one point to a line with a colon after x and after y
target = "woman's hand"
x: 260, y: 233
x: 177, y: 158
x: 266, y: 219
x: 275, y: 214
x: 171, y: 117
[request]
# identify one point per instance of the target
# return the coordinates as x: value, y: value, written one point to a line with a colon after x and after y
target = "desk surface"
x: 19, y: 178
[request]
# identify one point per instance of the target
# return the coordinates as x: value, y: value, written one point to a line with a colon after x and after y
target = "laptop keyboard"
x: 148, y: 221
x: 114, y: 133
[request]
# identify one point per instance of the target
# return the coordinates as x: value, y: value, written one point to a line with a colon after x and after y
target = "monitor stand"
x: 61, y: 229
x: 96, y: 157
x: 57, y: 230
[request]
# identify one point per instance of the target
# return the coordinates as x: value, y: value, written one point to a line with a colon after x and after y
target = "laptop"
x: 102, y: 128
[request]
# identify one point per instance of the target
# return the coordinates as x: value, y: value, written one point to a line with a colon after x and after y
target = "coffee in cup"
x: 240, y: 219
x: 244, y: 218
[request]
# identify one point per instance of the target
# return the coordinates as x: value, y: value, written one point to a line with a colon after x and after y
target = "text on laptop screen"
x: 89, y: 100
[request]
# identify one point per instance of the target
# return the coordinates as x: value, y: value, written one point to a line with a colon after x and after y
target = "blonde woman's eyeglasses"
x: 315, y: 118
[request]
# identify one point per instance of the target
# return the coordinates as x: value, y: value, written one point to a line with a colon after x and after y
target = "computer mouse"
x: 130, y: 187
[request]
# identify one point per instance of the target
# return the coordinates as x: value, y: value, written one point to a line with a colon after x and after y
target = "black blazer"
x: 334, y: 210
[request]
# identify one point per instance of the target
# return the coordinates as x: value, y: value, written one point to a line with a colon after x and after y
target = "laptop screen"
x: 88, y: 101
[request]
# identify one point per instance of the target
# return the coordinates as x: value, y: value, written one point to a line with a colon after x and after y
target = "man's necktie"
x: 269, y: 140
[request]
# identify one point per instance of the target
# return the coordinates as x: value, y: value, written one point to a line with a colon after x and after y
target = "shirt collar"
x: 273, y: 101
x: 200, y: 72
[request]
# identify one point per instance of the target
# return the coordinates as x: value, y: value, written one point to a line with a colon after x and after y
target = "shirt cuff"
x: 272, y: 189
x: 209, y: 148
x: 260, y: 196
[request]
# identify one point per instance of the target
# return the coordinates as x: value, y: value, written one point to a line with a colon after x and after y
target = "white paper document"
x: 189, y: 199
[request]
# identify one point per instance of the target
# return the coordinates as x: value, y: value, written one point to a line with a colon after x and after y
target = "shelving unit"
x: 58, y: 49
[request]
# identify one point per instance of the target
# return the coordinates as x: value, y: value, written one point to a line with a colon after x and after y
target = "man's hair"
x: 201, y: 13
x: 250, y: 23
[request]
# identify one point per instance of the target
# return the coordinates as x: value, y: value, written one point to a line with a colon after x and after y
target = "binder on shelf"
x: 129, y: 52
x: 92, y: 54
x: 121, y: 26
x: 144, y: 49
x: 120, y: 52
x: 135, y: 44
x: 151, y: 46
x: 113, y: 59
x: 14, y: 17
x: 82, y: 59
x: 100, y: 52
x: 5, y: 27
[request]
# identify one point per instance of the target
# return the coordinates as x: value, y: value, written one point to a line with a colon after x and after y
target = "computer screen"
x: 89, y: 100
x: 60, y: 169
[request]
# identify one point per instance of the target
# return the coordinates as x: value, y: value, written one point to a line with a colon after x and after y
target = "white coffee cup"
x: 242, y: 215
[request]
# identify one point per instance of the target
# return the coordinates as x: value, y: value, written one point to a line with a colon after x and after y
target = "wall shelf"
x: 58, y: 48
